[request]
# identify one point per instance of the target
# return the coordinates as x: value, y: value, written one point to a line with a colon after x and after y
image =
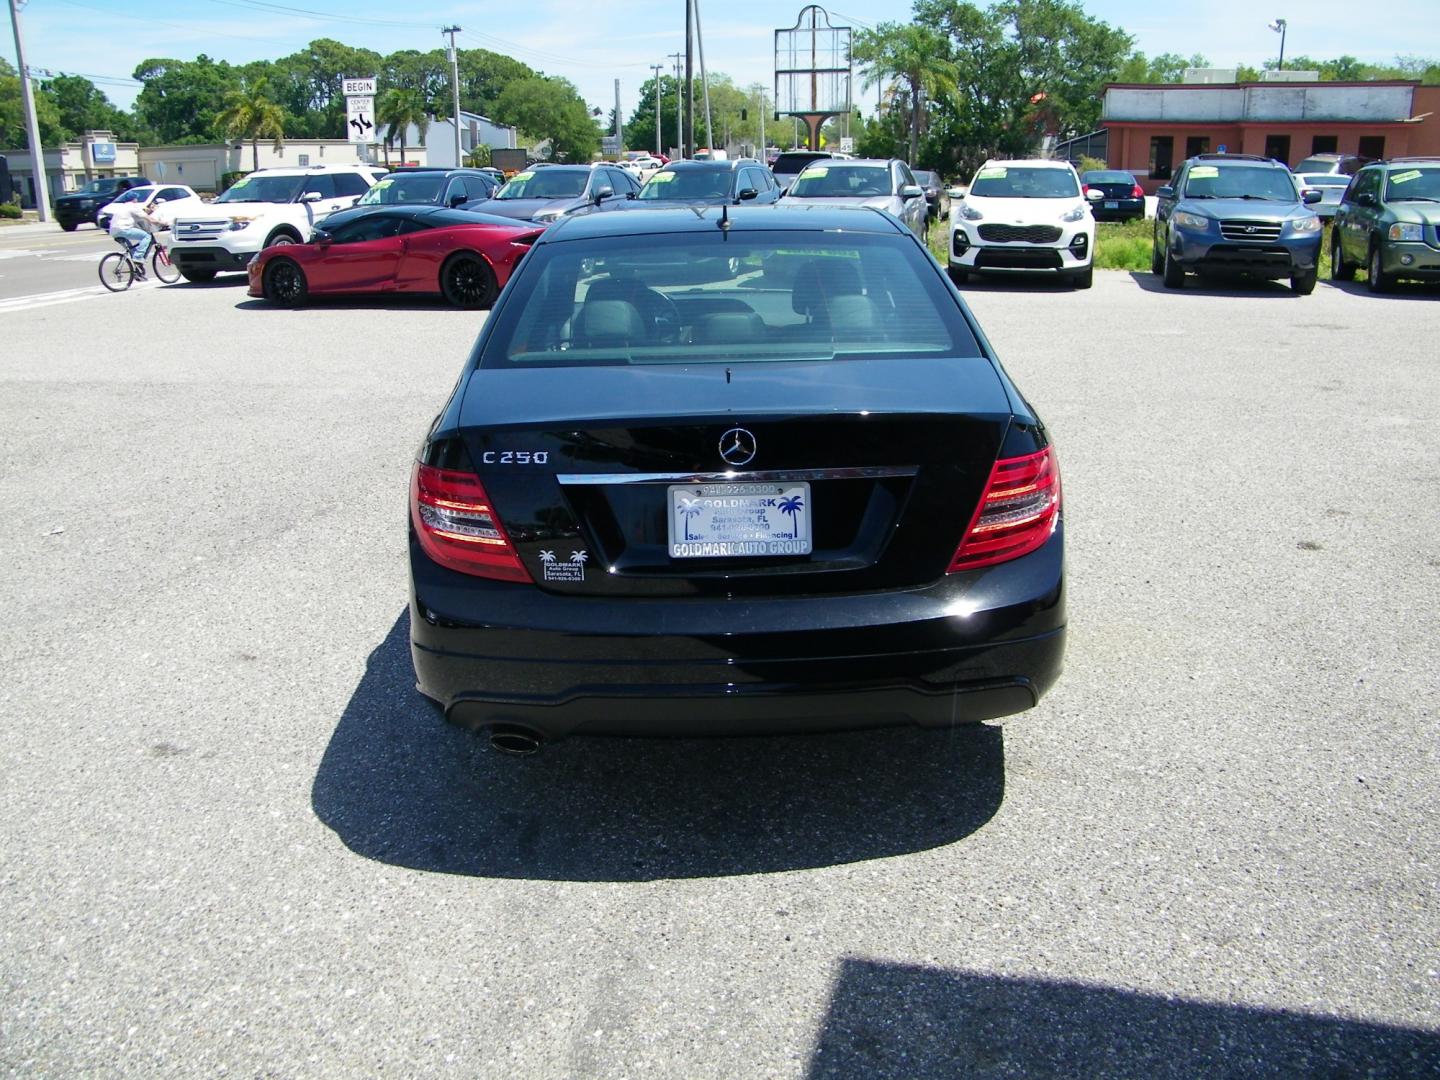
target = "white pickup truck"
x: 271, y: 206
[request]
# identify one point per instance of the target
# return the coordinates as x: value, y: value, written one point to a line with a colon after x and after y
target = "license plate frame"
x: 1112, y: 204
x: 744, y: 519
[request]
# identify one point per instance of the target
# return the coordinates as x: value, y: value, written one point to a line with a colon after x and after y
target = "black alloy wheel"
x: 1339, y: 271
x: 1157, y: 261
x: 285, y: 283
x: 468, y: 283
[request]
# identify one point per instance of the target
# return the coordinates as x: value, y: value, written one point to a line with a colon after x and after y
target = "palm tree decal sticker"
x: 690, y: 508
x: 579, y: 558
x: 547, y: 556
x: 792, y: 505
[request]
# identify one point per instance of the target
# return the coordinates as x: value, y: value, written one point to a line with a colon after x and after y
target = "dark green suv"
x: 1388, y: 223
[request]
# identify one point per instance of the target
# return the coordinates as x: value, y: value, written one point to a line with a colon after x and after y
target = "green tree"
x: 1165, y: 68
x: 398, y: 109
x: 1025, y: 68
x: 12, y: 113
x: 250, y: 114
x: 914, y: 56
x: 181, y: 98
x: 83, y: 107
x: 549, y: 108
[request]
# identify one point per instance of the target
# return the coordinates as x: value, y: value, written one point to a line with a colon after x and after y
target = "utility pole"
x: 619, y: 124
x: 679, y: 110
x: 656, y: 68
x: 704, y: 78
x: 687, y: 145
x: 32, y: 122
x: 455, y: 88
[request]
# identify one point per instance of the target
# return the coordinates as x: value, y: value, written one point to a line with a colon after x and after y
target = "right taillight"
x: 1137, y: 192
x: 458, y: 527
x: 1016, y: 515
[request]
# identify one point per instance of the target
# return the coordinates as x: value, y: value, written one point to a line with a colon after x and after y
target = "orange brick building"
x: 1153, y: 128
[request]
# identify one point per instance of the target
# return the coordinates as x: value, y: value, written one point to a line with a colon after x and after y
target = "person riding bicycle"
x: 137, y: 224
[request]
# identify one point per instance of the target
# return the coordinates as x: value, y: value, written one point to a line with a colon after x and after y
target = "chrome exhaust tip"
x: 510, y: 739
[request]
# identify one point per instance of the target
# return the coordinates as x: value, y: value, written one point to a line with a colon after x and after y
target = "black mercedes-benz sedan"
x: 733, y: 470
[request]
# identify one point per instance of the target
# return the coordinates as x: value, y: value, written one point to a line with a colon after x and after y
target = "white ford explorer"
x: 271, y: 206
x: 1023, y: 216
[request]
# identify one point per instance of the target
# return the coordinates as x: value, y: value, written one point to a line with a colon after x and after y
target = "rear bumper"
x: 971, y: 647
x: 1123, y: 210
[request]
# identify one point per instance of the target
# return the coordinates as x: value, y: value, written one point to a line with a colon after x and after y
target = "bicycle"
x: 120, y: 269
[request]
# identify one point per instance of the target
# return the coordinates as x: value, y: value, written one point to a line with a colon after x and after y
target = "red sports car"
x: 464, y: 256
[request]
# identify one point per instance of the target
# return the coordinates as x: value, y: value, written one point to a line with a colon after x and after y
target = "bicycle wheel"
x: 116, y: 272
x: 161, y: 266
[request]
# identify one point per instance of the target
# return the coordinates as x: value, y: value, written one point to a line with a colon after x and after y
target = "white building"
x: 438, y: 148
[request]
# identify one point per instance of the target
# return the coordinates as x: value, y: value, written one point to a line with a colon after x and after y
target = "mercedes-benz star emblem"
x: 737, y: 446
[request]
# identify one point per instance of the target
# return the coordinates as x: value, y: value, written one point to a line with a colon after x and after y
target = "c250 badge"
x: 515, y: 457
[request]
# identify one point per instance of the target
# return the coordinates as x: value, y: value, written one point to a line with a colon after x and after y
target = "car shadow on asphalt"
x: 400, y: 785
x: 384, y: 302
x: 1016, y: 283
x: 898, y: 1020
x: 1214, y: 285
x: 1401, y: 290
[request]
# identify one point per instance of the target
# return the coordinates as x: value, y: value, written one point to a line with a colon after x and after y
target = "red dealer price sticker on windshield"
x: 727, y: 520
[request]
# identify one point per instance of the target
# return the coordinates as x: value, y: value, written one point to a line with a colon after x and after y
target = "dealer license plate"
x: 1112, y: 204
x: 726, y: 520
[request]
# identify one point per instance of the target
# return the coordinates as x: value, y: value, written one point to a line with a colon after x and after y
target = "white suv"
x: 271, y: 206
x: 1023, y: 216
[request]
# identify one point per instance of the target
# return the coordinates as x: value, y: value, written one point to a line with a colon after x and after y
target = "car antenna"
x: 725, y: 216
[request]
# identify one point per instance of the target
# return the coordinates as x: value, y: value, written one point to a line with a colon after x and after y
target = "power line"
x: 176, y: 26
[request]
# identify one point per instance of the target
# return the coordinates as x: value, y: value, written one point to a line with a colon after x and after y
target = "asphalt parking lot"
x: 235, y: 841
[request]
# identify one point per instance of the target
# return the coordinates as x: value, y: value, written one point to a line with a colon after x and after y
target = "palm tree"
x: 915, y: 56
x: 397, y: 110
x: 792, y: 505
x: 690, y: 508
x: 250, y: 114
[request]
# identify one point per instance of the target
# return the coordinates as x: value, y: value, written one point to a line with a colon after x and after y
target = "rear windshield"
x: 1414, y: 185
x: 404, y: 188
x: 1317, y: 165
x: 793, y: 163
x: 1008, y: 182
x: 1325, y: 180
x: 545, y: 184
x: 1240, y: 182
x: 99, y: 187
x: 271, y: 189
x: 839, y: 181
x: 1108, y: 178
x: 687, y: 184
x: 701, y: 298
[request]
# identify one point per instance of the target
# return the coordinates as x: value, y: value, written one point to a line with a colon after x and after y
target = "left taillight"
x: 458, y: 527
x: 1017, y: 514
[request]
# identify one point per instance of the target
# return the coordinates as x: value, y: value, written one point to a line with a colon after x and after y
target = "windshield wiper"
x: 1202, y: 196
x: 1413, y: 198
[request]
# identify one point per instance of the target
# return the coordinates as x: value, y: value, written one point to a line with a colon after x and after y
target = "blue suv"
x: 1236, y: 213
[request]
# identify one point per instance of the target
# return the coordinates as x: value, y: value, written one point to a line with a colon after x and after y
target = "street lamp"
x: 1279, y: 27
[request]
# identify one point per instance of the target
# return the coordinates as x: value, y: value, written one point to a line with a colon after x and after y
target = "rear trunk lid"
x: 596, y: 473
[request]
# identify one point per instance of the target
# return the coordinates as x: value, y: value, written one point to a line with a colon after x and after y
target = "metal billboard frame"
x: 816, y: 91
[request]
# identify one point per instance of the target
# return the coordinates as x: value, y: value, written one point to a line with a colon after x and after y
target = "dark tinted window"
x: 172, y: 193
x: 1418, y: 183
x: 1107, y: 177
x: 368, y: 227
x: 793, y: 163
x: 690, y: 183
x: 351, y: 184
x: 269, y: 189
x: 709, y: 297
x: 477, y: 188
x: 322, y: 183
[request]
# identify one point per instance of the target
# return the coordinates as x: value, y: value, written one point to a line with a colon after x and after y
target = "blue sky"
x: 591, y: 43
